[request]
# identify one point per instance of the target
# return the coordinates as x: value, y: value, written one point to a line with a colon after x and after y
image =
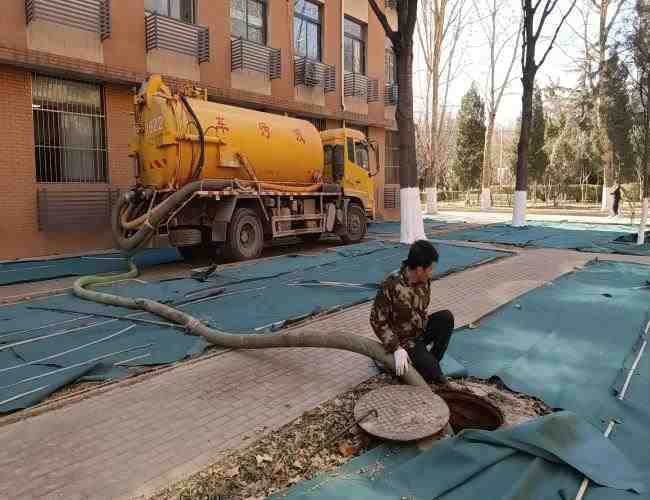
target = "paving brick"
x: 138, y: 438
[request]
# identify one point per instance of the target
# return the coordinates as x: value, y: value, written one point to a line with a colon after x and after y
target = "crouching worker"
x: 399, y: 316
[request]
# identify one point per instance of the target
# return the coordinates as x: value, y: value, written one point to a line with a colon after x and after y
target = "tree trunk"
x: 519, y: 212
x: 486, y: 172
x: 412, y: 226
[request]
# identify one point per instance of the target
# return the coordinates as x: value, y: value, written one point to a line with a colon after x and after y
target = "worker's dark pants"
x: 438, y: 331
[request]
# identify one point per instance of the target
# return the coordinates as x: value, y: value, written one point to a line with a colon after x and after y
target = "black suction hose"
x: 199, y: 164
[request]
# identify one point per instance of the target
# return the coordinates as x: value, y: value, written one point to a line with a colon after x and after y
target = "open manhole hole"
x: 468, y: 411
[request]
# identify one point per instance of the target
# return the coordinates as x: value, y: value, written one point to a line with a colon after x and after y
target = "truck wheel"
x: 245, y: 238
x: 356, y: 227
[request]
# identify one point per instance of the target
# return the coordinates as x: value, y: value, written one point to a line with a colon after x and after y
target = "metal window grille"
x: 391, y: 160
x: 391, y: 197
x: 69, y: 131
x: 312, y: 73
x: 71, y: 209
x: 247, y: 55
x: 355, y: 84
x: 167, y: 33
x: 373, y: 90
x: 391, y: 94
x: 87, y: 15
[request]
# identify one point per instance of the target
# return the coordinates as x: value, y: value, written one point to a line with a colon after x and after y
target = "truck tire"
x: 245, y: 237
x: 356, y: 225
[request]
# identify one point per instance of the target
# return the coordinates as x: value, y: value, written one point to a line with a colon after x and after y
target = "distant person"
x: 617, y: 200
x: 399, y: 316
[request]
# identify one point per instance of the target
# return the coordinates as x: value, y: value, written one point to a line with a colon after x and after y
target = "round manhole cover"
x: 402, y: 412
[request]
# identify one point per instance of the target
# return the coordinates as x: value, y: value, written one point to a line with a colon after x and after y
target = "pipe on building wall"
x: 343, y: 57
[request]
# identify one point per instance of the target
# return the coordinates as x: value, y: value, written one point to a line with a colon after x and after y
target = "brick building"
x: 68, y: 69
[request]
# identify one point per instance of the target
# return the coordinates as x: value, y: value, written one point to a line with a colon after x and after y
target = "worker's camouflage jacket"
x: 399, y: 313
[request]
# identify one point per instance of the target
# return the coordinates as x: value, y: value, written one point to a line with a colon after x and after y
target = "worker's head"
x: 420, y: 261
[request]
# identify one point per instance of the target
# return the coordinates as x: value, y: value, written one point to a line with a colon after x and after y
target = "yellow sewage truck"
x: 216, y: 177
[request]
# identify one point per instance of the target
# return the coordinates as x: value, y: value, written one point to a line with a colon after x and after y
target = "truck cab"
x: 348, y: 163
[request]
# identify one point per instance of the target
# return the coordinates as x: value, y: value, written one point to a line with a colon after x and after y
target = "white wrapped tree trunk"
x: 486, y: 199
x: 411, y: 224
x: 432, y: 200
x: 644, y: 219
x: 519, y: 209
x: 607, y: 204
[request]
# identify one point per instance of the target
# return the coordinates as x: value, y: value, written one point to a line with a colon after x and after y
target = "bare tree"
x: 499, y: 38
x: 638, y: 42
x: 529, y: 65
x: 596, y: 48
x: 411, y: 227
x: 436, y: 20
x: 604, y: 32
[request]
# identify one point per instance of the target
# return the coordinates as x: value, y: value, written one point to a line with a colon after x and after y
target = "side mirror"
x: 338, y: 162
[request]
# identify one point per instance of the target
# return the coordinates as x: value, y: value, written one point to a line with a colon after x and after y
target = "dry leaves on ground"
x: 305, y: 447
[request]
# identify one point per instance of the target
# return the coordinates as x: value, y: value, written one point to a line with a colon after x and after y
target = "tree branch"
x: 383, y: 20
x: 611, y: 22
x: 557, y: 30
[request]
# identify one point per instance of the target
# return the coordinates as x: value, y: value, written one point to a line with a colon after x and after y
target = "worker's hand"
x: 401, y: 361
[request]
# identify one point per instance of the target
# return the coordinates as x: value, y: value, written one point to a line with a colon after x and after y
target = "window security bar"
x: 167, y: 33
x: 87, y: 15
x: 248, y: 55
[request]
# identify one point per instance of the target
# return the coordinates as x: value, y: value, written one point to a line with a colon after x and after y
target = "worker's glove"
x: 401, y: 361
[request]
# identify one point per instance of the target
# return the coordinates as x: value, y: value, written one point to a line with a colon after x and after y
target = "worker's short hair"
x: 421, y: 254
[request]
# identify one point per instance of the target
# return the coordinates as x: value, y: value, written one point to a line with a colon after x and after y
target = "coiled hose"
x: 302, y: 338
x: 131, y: 243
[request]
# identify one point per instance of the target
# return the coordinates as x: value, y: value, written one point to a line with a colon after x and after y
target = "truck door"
x: 357, y: 180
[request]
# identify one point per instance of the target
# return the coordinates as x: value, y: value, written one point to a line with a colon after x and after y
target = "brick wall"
x: 18, y: 187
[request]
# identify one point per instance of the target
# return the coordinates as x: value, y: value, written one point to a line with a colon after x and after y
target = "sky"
x: 473, y: 54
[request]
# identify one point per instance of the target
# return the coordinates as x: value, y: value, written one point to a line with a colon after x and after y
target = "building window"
x: 307, y: 29
x: 69, y: 131
x: 391, y: 161
x: 389, y: 63
x: 183, y: 10
x: 248, y: 20
x: 354, y: 47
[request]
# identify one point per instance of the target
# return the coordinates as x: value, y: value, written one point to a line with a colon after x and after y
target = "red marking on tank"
x: 220, y: 124
x: 299, y: 137
x: 265, y: 130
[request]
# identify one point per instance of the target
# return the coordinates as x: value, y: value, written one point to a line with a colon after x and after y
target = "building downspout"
x: 343, y: 58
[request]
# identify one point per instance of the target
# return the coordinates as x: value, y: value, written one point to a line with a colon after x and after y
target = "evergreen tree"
x: 619, y: 118
x: 470, y: 139
x: 537, y: 157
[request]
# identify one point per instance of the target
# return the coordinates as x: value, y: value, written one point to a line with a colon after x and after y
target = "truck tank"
x: 237, y: 143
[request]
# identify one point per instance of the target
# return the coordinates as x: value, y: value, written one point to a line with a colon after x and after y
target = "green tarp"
x: 571, y: 344
x: 605, y: 238
x: 42, y: 350
x: 39, y: 270
x: 545, y: 458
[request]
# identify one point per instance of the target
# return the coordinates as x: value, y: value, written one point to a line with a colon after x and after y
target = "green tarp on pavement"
x: 605, y: 238
x: 545, y: 458
x: 42, y: 350
x: 39, y: 270
x: 571, y: 344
